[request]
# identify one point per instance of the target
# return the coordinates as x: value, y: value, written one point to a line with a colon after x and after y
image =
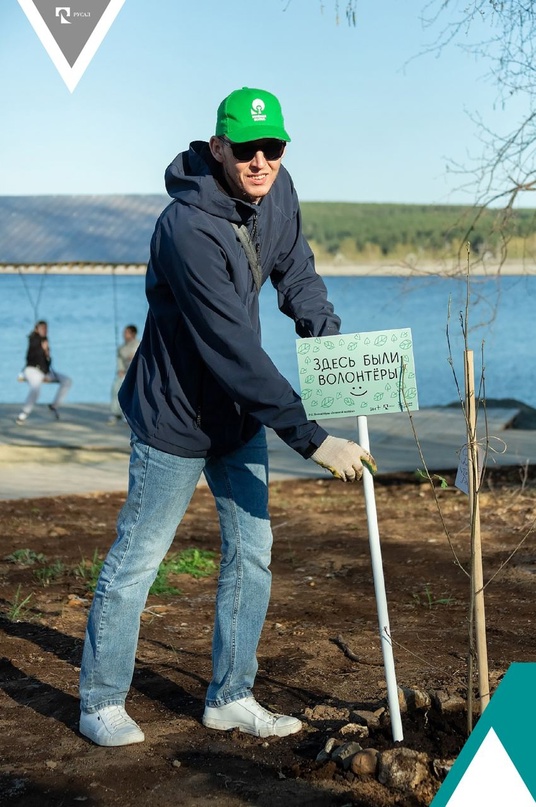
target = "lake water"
x: 86, y: 315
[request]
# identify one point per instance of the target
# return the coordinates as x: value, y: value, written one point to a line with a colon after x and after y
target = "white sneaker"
x: 21, y: 418
x: 110, y: 726
x: 250, y: 717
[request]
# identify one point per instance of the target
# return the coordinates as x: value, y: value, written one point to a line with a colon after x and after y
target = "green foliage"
x: 427, y: 599
x: 194, y: 562
x: 423, y: 476
x: 46, y: 574
x: 88, y: 571
x: 25, y: 557
x: 394, y: 230
x: 18, y: 608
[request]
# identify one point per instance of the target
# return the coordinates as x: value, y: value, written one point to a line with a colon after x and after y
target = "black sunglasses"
x: 245, y: 152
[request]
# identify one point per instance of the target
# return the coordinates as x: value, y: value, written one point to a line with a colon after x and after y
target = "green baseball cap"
x: 250, y: 114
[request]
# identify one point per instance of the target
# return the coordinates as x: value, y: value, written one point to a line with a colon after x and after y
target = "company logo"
x: 257, y: 109
x: 71, y: 35
x: 63, y: 12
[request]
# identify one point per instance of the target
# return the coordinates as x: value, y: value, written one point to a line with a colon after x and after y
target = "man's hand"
x: 344, y: 459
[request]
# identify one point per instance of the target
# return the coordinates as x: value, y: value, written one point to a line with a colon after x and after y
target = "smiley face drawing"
x: 358, y: 394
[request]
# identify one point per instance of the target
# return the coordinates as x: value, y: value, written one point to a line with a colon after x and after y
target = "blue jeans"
x: 160, y: 488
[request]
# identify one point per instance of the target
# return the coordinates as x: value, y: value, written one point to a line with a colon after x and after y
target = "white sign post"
x: 379, y: 589
x: 355, y: 375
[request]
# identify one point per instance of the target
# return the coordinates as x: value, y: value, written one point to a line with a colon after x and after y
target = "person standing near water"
x: 125, y: 354
x: 198, y: 396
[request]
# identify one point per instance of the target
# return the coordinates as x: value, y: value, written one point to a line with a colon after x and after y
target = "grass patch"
x: 25, y: 557
x: 88, y: 570
x: 194, y: 562
x: 428, y: 600
x: 47, y: 574
x: 18, y: 607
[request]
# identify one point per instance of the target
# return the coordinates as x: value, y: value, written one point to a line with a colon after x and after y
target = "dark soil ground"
x: 320, y: 654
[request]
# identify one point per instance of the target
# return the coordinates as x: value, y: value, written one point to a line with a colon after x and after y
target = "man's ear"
x: 216, y: 148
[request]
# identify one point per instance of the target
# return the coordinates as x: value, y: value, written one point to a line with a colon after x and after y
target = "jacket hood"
x: 194, y: 178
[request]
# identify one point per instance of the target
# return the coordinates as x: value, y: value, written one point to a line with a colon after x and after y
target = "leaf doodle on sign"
x: 341, y: 375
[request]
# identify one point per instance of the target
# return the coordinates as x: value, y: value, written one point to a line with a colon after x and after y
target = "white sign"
x: 355, y: 374
x: 462, y: 475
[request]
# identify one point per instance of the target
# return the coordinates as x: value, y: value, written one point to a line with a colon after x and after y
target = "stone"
x: 441, y: 767
x: 403, y: 769
x: 325, y: 753
x: 365, y: 762
x: 325, y: 712
x: 343, y: 754
x: 356, y: 729
x: 412, y: 699
x: 366, y: 718
x: 446, y: 702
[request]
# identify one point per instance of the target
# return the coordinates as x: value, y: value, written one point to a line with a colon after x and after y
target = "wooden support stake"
x: 477, y: 574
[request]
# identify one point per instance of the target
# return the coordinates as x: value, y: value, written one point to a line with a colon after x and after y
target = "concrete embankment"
x: 341, y: 267
x: 81, y: 453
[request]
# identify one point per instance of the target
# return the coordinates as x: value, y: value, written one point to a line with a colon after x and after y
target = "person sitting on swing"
x: 39, y: 370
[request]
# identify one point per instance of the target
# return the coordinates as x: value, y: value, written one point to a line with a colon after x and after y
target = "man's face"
x: 252, y: 172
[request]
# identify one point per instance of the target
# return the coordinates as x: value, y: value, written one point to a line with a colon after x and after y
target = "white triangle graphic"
x: 491, y: 779
x: 71, y: 75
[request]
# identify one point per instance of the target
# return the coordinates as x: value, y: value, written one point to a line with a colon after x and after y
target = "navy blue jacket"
x: 201, y: 383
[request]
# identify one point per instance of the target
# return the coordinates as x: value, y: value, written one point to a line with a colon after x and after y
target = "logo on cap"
x: 257, y: 109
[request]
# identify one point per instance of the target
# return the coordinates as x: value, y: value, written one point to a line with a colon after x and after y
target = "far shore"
x: 339, y: 268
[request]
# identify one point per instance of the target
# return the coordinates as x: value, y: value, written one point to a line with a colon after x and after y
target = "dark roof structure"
x: 111, y: 229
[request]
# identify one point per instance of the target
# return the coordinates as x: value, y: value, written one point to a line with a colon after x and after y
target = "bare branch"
x: 350, y: 10
x: 502, y: 35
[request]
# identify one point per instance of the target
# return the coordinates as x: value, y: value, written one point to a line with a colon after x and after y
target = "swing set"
x: 34, y: 303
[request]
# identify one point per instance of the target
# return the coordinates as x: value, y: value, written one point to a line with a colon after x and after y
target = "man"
x: 38, y: 370
x: 125, y: 354
x: 197, y: 396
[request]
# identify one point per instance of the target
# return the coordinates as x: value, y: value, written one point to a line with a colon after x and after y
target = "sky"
x: 371, y: 119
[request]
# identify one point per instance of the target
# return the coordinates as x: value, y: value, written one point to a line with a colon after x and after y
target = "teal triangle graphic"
x: 491, y: 779
x: 511, y: 716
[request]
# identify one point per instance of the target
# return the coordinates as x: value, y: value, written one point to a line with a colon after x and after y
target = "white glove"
x: 343, y: 458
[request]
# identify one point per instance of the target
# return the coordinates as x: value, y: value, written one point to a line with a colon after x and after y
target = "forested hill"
x: 381, y: 231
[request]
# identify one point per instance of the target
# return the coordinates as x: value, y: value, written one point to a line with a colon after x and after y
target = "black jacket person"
x: 201, y: 382
x: 197, y: 396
